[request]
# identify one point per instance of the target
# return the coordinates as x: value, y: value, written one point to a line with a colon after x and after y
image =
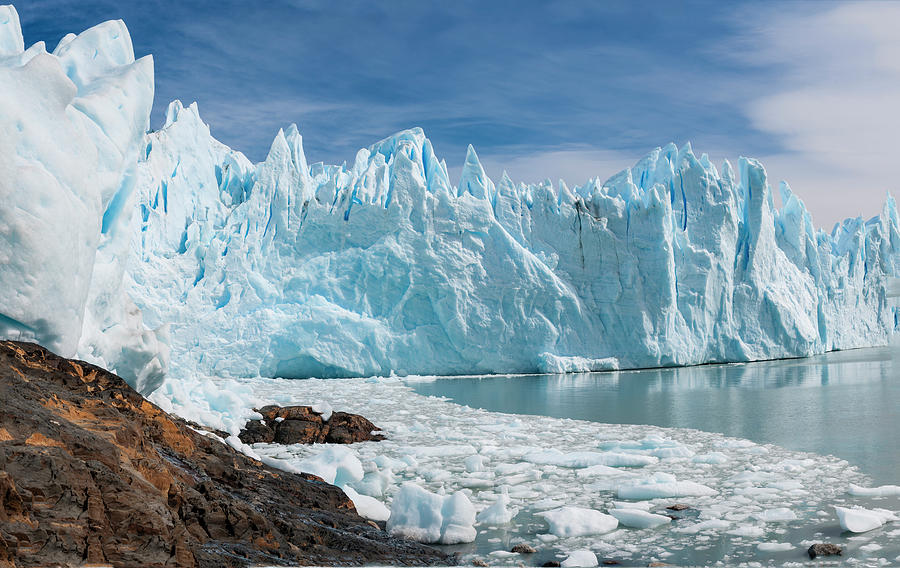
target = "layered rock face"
x: 92, y: 473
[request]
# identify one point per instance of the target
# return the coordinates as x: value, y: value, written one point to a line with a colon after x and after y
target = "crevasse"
x: 288, y: 269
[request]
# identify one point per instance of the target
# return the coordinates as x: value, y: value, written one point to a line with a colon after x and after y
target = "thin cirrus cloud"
x: 543, y: 90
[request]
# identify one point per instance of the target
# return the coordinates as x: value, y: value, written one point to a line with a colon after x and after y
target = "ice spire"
x: 474, y: 180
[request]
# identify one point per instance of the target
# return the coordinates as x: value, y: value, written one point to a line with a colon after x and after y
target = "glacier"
x: 154, y: 252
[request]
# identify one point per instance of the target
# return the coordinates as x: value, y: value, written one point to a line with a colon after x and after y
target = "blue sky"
x: 543, y: 89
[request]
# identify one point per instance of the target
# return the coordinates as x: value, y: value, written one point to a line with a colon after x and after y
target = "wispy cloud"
x: 833, y: 80
x: 543, y: 90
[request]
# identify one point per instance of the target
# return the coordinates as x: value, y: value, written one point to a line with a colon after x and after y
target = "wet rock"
x: 523, y: 548
x: 824, y: 549
x: 480, y: 563
x: 610, y: 563
x: 678, y: 507
x: 551, y: 564
x: 302, y: 425
x: 92, y: 473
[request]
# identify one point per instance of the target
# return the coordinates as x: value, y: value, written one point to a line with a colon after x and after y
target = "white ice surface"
x: 578, y: 521
x: 431, y: 441
x: 424, y: 516
x: 859, y: 519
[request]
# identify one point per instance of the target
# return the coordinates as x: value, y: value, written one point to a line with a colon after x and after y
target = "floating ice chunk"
x: 653, y: 445
x: 474, y: 463
x: 374, y: 483
x: 639, y: 505
x: 639, y: 519
x: 749, y: 531
x: 781, y: 514
x: 431, y: 518
x: 368, y: 507
x: 555, y: 364
x: 883, y: 491
x: 662, y: 485
x: 577, y: 521
x: 871, y: 547
x: 322, y: 408
x: 588, y: 459
x: 859, y: 520
x: 709, y: 525
x: 598, y: 471
x: 713, y: 458
x: 499, y: 513
x: 335, y: 464
x: 774, y: 546
x: 580, y: 558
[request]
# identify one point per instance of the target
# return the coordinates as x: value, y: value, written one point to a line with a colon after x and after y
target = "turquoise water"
x: 846, y: 404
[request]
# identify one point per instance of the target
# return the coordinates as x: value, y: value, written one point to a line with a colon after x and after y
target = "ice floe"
x: 520, y: 472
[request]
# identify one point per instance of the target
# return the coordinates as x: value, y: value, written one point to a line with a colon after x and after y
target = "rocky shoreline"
x: 93, y: 473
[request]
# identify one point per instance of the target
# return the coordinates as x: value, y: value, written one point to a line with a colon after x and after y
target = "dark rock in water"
x: 523, y: 548
x: 824, y: 549
x: 345, y: 428
x: 298, y: 432
x: 678, y: 507
x: 92, y: 473
x: 610, y: 562
x: 480, y: 563
x: 551, y: 564
x: 256, y: 431
x: 301, y: 425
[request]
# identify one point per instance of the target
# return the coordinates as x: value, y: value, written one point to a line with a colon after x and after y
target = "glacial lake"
x: 845, y: 404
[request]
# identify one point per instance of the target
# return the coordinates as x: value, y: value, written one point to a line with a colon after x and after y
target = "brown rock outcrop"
x: 92, y: 473
x: 301, y: 425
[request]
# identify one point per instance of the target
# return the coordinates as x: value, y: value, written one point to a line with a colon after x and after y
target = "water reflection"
x: 842, y: 403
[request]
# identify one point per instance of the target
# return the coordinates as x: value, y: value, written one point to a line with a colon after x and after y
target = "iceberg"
x: 149, y: 252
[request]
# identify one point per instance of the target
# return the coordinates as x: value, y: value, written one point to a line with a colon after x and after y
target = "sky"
x: 567, y: 89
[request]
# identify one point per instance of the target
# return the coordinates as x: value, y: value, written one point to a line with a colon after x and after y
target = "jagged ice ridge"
x: 120, y: 245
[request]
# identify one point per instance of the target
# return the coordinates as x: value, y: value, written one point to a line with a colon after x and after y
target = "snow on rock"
x: 71, y: 134
x: 578, y: 521
x: 580, y: 558
x: 859, y: 520
x: 431, y: 518
x: 638, y: 519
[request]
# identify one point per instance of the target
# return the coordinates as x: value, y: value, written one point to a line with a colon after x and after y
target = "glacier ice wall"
x: 293, y: 270
x: 72, y: 124
x: 118, y: 244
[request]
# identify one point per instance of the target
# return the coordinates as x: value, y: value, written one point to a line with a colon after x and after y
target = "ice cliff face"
x: 384, y: 266
x: 289, y: 269
x: 71, y: 127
